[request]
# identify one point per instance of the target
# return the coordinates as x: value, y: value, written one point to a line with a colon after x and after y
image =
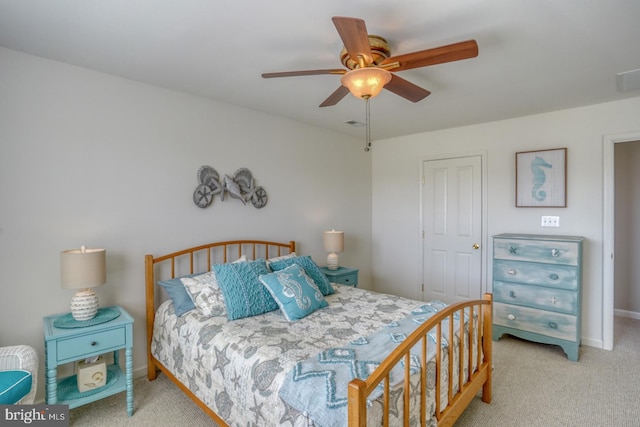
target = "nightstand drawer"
x: 556, y: 276
x: 550, y: 299
x: 342, y: 275
x: 99, y: 342
x: 542, y: 322
x: 348, y: 279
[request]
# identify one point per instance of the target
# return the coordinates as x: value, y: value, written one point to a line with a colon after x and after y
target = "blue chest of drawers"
x: 537, y: 289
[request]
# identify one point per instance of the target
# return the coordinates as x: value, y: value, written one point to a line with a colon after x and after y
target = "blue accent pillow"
x: 182, y: 302
x: 243, y: 293
x: 310, y: 267
x: 294, y: 291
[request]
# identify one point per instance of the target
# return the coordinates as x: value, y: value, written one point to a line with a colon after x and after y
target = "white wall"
x: 87, y: 158
x: 397, y: 264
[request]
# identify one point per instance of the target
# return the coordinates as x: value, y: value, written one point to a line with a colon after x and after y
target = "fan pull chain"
x: 367, y: 145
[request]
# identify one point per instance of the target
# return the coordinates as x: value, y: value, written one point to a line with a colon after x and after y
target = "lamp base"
x: 332, y: 261
x: 84, y: 305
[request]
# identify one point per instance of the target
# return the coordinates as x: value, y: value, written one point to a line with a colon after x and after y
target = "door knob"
x: 475, y: 246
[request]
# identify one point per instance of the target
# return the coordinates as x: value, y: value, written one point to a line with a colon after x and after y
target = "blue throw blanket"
x: 318, y: 385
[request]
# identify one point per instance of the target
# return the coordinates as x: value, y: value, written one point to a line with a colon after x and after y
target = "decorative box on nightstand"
x: 66, y: 343
x: 343, y: 275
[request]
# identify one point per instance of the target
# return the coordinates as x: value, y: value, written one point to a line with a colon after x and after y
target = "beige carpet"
x: 533, y: 385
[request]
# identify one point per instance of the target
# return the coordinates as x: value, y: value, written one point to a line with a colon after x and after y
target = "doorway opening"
x: 608, y: 252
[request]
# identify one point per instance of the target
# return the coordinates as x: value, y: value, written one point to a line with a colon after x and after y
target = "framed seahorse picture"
x: 541, y: 178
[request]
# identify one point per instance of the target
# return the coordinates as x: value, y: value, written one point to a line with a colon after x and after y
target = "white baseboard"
x: 140, y: 372
x: 625, y: 313
x: 589, y: 342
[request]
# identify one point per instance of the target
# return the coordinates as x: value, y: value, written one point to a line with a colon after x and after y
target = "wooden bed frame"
x: 479, y: 364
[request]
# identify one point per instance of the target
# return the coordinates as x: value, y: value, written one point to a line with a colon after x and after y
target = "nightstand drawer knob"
x: 553, y: 325
x: 512, y: 294
x: 511, y: 316
x: 512, y: 271
x: 93, y: 343
x: 555, y: 253
x: 554, y: 276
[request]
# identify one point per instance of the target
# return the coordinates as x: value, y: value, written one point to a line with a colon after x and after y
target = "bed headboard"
x: 200, y: 259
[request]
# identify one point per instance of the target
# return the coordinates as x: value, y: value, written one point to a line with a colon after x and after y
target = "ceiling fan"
x: 370, y: 68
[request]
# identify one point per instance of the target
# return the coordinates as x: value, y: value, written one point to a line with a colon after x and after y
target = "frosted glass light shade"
x: 333, y: 242
x: 365, y: 82
x: 82, y: 269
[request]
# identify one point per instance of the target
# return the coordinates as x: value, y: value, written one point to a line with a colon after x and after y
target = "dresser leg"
x: 572, y: 351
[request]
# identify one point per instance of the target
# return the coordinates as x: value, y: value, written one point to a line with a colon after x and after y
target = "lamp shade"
x: 333, y: 241
x: 83, y: 268
x: 365, y: 82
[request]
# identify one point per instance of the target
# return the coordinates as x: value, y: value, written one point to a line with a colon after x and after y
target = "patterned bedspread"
x: 237, y: 367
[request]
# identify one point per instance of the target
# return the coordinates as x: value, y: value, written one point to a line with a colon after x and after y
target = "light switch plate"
x: 550, y: 221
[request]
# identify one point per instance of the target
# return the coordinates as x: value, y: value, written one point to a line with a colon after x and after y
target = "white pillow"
x: 279, y: 258
x: 206, y: 294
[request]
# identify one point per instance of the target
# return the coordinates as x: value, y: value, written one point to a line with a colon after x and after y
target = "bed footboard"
x: 475, y: 359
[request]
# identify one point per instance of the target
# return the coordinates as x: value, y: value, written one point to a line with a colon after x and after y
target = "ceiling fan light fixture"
x: 365, y: 82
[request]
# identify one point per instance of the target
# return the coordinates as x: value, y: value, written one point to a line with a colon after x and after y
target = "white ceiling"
x: 534, y: 55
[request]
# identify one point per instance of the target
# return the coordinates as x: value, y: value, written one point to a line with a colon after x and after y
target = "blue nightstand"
x: 66, y: 344
x: 343, y: 275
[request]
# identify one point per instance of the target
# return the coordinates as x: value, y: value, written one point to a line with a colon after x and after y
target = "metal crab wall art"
x: 241, y: 186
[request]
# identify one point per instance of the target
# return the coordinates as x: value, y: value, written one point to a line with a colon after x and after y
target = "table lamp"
x: 333, y: 243
x: 83, y: 269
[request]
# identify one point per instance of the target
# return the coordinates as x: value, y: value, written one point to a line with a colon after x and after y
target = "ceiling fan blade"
x: 406, y: 89
x: 438, y: 55
x: 353, y: 32
x: 335, y: 97
x: 303, y: 73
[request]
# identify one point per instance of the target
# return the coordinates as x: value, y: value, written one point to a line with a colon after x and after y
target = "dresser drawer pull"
x: 554, y: 276
x: 511, y: 272
x: 555, y: 253
x: 553, y: 325
x: 512, y: 294
x: 511, y: 316
x: 93, y: 343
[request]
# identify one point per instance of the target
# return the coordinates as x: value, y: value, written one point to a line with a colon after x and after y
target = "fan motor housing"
x: 379, y: 51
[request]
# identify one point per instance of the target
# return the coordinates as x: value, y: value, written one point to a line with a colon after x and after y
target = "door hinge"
x: 423, y: 287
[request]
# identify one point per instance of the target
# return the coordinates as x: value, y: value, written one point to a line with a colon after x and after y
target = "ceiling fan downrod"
x: 367, y: 146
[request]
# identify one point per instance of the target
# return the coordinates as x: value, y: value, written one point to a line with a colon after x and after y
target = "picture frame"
x: 541, y: 178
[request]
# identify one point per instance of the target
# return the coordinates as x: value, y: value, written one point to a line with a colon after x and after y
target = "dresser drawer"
x: 551, y: 299
x: 557, y: 325
x: 552, y: 252
x: 100, y: 342
x: 557, y: 276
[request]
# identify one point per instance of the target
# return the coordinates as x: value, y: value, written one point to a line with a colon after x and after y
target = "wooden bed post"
x: 357, y: 403
x: 151, y: 312
x: 487, y: 346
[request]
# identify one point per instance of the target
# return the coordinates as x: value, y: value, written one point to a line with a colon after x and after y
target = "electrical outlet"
x: 550, y: 221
